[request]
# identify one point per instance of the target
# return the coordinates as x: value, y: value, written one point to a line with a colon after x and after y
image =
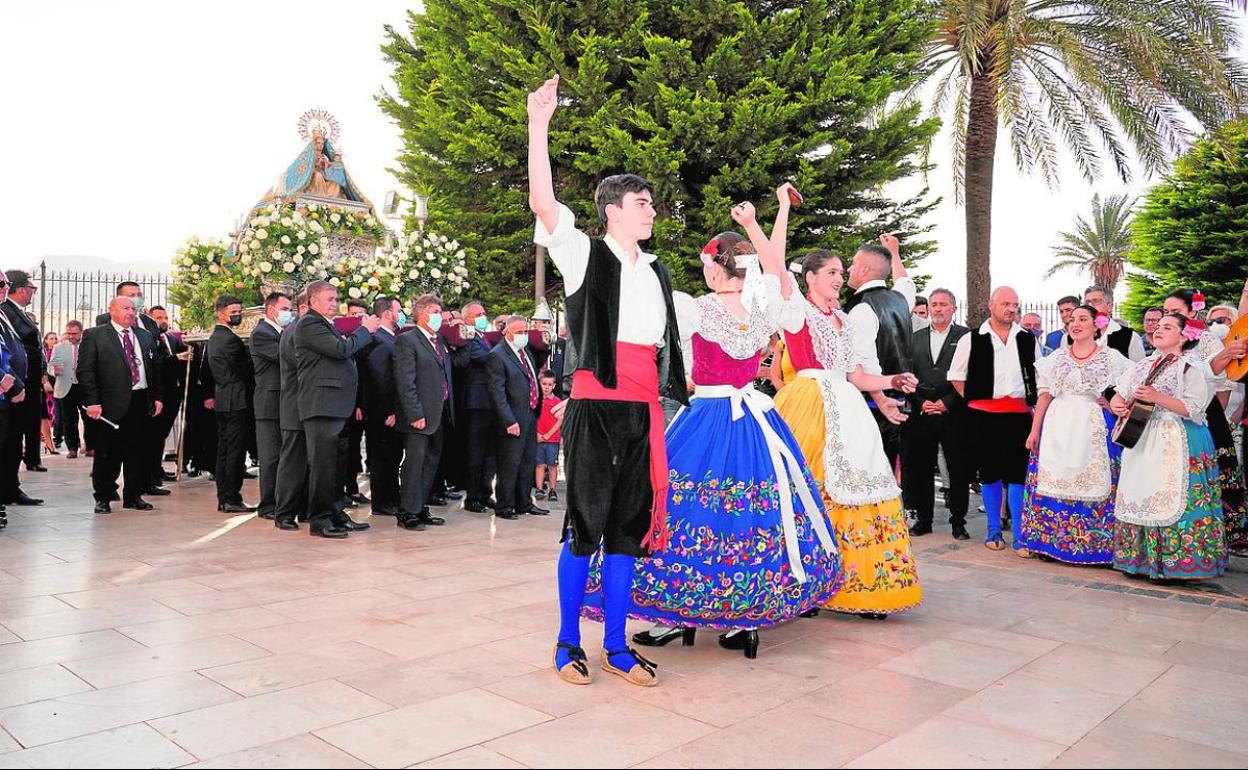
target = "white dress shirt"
x: 938, y: 340
x: 1135, y: 351
x: 138, y: 352
x: 643, y: 308
x: 867, y: 323
x: 270, y: 322
x: 1006, y: 372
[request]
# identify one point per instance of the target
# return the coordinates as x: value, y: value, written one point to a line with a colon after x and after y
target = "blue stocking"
x: 617, y: 594
x: 573, y: 575
x: 1015, y: 493
x: 992, y: 509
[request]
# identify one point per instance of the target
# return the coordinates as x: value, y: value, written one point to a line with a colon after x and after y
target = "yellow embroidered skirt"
x: 874, y: 540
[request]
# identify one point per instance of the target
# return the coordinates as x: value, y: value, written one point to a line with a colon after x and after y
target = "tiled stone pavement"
x: 183, y: 637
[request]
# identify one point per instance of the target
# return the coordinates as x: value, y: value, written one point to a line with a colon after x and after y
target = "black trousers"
x: 122, y: 448
x: 348, y: 463
x: 19, y: 421
x: 71, y: 407
x: 517, y: 456
x: 481, y: 444
x: 233, y: 437
x: 292, y: 477
x: 162, y: 426
x: 891, y: 436
x: 321, y: 434
x: 58, y: 422
x: 421, y: 454
x: 32, y: 437
x: 6, y: 424
x: 1001, y: 446
x: 385, y: 448
x: 269, y: 446
x: 925, y: 435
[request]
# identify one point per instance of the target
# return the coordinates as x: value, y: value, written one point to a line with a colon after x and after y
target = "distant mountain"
x: 91, y: 264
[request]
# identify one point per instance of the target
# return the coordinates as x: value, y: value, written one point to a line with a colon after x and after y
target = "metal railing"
x: 67, y: 295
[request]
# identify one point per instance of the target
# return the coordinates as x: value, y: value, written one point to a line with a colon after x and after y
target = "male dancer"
x: 994, y: 369
x: 613, y: 429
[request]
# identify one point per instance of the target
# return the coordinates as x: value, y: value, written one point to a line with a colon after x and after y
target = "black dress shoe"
x: 359, y: 499
x: 649, y: 639
x: 475, y: 507
x: 169, y: 476
x: 138, y: 504
x: 302, y: 518
x: 385, y: 511
x: 346, y: 502
x: 747, y: 641
x: 270, y: 515
x: 235, y: 508
x: 25, y: 499
x: 489, y: 503
x: 329, y: 529
x: 352, y: 525
x: 103, y: 508
x: 286, y: 524
x: 37, y: 468
x: 454, y: 495
x: 960, y: 533
x: 194, y: 474
x: 534, y: 510
x: 158, y: 492
x: 425, y: 517
x: 919, y: 529
x: 408, y: 521
x: 437, y: 501
x: 114, y: 498
x: 249, y: 475
x: 505, y: 513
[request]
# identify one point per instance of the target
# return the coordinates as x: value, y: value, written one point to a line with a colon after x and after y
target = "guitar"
x: 1127, y: 430
x: 1238, y: 368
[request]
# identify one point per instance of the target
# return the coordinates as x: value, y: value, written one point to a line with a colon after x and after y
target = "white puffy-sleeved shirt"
x: 643, y: 309
x: 867, y: 323
x: 1006, y: 372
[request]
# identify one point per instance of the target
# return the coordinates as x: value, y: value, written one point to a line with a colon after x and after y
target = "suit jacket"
x: 145, y: 321
x: 328, y: 380
x: 934, y: 375
x: 289, y: 370
x: 266, y: 362
x: 379, y: 385
x: 509, y: 386
x: 8, y: 344
x: 63, y: 356
x: 421, y: 381
x: 172, y: 371
x: 104, y: 375
x: 475, y: 373
x: 231, y: 370
x: 34, y: 367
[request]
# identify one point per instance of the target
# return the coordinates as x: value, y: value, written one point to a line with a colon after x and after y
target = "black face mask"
x: 163, y: 327
x: 236, y: 319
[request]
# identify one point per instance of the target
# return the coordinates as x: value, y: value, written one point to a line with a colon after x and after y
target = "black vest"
x: 933, y: 375
x: 892, y: 341
x: 981, y: 371
x: 594, y: 322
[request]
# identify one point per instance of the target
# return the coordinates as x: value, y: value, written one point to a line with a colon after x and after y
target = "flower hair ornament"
x: 1102, y: 321
x: 1198, y: 301
x: 1193, y: 329
x: 710, y: 251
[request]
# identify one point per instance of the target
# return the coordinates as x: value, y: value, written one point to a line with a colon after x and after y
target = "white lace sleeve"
x: 1119, y: 365
x: 1044, y: 374
x: 1196, y: 392
x: 793, y: 311
x: 774, y: 303
x: 1125, y: 386
x: 688, y: 321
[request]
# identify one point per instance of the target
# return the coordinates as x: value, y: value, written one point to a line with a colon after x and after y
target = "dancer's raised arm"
x: 542, y: 103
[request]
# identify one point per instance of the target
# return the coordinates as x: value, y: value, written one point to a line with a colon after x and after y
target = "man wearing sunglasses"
x: 27, y: 417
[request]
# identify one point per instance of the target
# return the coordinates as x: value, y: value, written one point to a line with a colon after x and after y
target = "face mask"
x: 435, y: 322
x: 520, y: 342
x: 285, y: 318
x: 138, y: 303
x: 482, y: 324
x: 236, y: 319
x: 402, y: 321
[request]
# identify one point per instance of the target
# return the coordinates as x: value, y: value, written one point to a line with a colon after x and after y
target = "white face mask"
x: 520, y: 342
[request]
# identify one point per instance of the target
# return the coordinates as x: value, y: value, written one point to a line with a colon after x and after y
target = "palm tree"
x: 1097, y: 77
x: 1098, y: 244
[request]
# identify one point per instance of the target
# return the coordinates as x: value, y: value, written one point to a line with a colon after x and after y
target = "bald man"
x: 994, y: 370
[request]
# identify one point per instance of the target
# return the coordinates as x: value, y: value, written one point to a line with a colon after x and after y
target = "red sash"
x: 1000, y: 405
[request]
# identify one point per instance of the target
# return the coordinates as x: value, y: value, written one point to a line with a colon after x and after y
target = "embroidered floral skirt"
x: 1194, y: 547
x: 1230, y: 480
x: 1072, y: 531
x: 727, y: 565
x: 874, y: 540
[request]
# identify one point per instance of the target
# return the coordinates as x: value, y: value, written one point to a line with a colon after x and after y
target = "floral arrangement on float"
x: 289, y: 245
x: 202, y: 270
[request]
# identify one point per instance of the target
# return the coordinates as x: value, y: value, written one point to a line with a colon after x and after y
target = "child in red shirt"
x: 548, y: 425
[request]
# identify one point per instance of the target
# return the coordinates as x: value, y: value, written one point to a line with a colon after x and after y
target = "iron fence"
x: 67, y: 295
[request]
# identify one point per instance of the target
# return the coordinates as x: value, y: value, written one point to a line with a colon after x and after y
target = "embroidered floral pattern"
x: 881, y: 575
x: 845, y: 481
x: 1073, y: 531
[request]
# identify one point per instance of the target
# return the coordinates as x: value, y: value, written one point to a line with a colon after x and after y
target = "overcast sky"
x: 130, y: 125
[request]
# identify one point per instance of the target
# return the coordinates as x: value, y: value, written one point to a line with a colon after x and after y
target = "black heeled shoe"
x: 746, y: 641
x: 811, y: 613
x: 646, y: 639
x: 873, y: 616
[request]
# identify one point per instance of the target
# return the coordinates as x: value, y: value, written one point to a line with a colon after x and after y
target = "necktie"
x: 528, y: 373
x: 131, y: 361
x: 437, y: 351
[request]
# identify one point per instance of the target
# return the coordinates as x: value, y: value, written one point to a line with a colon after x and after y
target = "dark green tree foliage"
x: 1192, y: 230
x: 712, y: 101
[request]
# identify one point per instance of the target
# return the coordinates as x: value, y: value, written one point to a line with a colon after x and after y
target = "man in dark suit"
x: 422, y: 373
x: 152, y: 435
x: 120, y: 388
x: 268, y: 394
x: 381, y: 408
x: 351, y: 442
x: 24, y: 439
x: 232, y: 372
x: 327, y: 396
x: 172, y: 355
x: 478, y: 413
x: 517, y: 400
x: 936, y: 421
x: 292, y: 465
x: 13, y: 358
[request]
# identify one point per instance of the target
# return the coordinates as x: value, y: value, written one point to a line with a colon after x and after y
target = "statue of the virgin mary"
x: 318, y: 170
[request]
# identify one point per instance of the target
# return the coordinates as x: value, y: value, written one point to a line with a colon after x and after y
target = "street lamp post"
x: 422, y: 211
